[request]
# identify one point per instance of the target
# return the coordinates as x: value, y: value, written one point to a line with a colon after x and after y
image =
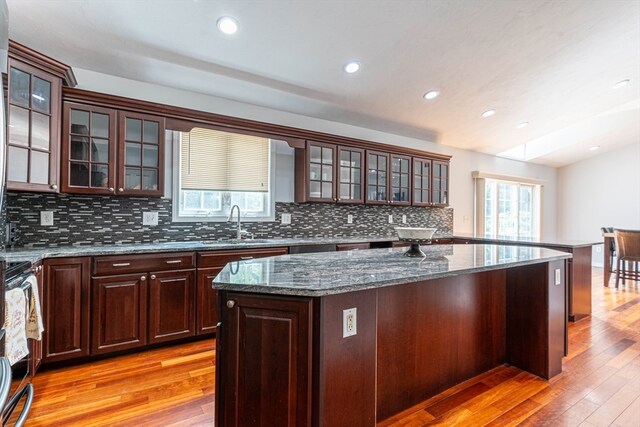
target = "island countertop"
x: 547, y: 243
x: 329, y: 273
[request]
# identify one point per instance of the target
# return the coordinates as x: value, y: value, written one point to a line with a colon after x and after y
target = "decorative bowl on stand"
x: 416, y: 236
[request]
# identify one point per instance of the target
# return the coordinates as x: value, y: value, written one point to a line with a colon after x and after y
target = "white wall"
x: 462, y: 163
x: 603, y: 191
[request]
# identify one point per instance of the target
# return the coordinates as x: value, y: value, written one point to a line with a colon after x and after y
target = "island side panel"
x: 435, y: 334
x: 536, y: 318
x: 346, y: 366
x: 580, y: 300
x: 264, y: 360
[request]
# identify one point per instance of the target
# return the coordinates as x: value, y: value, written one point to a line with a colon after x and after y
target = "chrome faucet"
x: 239, y: 232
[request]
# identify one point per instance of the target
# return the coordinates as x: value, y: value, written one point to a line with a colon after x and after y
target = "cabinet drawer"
x: 352, y: 246
x: 118, y: 264
x: 221, y: 258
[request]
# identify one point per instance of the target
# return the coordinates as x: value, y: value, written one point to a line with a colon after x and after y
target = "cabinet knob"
x: 111, y: 189
x: 120, y: 190
x: 143, y: 278
x: 153, y: 277
x: 231, y: 303
x: 54, y: 187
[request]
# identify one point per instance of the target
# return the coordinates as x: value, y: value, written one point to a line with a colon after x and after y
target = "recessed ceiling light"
x: 522, y: 125
x: 352, y: 67
x: 431, y: 94
x: 621, y: 83
x: 227, y: 25
x: 488, y: 113
x: 594, y: 148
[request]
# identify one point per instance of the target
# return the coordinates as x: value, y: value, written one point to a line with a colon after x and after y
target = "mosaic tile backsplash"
x: 95, y: 220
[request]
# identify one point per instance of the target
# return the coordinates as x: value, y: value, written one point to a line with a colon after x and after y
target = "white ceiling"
x: 550, y: 63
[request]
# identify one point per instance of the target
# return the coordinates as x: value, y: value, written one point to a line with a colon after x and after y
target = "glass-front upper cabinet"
x: 440, y: 186
x: 400, y: 180
x: 88, y: 149
x: 140, y: 154
x: 350, y: 175
x: 421, y: 182
x: 377, y: 177
x: 321, y: 160
x: 33, y: 116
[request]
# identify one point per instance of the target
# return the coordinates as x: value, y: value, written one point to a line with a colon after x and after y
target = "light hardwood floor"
x: 599, y: 384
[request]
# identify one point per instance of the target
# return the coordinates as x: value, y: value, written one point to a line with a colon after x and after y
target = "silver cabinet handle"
x: 174, y: 261
x: 121, y: 264
x: 120, y: 190
x: 153, y: 277
x: 111, y: 189
x: 143, y: 278
x: 54, y: 187
x: 246, y: 257
x: 231, y: 303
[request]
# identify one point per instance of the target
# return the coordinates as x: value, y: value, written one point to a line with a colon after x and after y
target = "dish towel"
x: 15, y: 312
x: 34, y: 318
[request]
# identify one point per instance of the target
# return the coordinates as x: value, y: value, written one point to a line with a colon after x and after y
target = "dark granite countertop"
x: 328, y: 273
x: 549, y: 243
x: 36, y: 254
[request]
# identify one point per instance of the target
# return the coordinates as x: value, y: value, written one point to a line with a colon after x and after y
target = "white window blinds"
x: 222, y: 161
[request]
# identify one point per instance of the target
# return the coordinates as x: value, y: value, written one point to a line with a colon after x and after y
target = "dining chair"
x: 628, y: 246
x: 612, y: 245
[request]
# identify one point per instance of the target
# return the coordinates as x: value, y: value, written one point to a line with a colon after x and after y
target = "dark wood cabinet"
x: 88, y: 149
x: 66, y: 308
x: 171, y: 305
x: 108, y: 151
x: 209, y: 265
x: 352, y: 246
x: 142, y: 299
x: 377, y: 178
x: 329, y: 173
x: 264, y: 361
x: 119, y: 314
x: 440, y: 183
x: 140, y: 154
x: 33, y: 117
x: 400, y: 180
x: 421, y: 182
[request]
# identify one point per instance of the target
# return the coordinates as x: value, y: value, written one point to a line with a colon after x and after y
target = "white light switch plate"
x: 285, y: 219
x: 404, y: 219
x: 390, y: 219
x: 46, y: 217
x: 150, y: 218
x: 349, y: 219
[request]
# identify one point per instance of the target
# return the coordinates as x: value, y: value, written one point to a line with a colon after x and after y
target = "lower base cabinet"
x: 171, y: 305
x: 119, y: 315
x: 66, y: 308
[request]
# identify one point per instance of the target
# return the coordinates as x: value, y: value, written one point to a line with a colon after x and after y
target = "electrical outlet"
x: 390, y: 219
x: 46, y: 217
x: 558, y: 278
x: 285, y: 219
x: 349, y: 322
x: 150, y: 218
x: 404, y: 219
x: 598, y: 249
x: 349, y: 219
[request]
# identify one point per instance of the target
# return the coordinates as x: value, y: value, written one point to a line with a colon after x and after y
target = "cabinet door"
x: 400, y: 183
x: 206, y: 315
x: 88, y: 149
x: 440, y: 186
x: 350, y: 175
x: 321, y: 160
x: 140, y: 154
x: 421, y: 182
x: 119, y: 313
x: 66, y: 308
x: 171, y: 305
x: 377, y: 178
x: 263, y: 361
x: 33, y: 117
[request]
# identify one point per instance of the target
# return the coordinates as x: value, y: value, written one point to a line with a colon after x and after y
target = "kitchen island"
x: 351, y: 339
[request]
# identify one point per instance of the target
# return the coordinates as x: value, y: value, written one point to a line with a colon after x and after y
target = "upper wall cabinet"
x: 335, y: 173
x: 33, y: 117
x: 105, y: 151
x: 329, y: 173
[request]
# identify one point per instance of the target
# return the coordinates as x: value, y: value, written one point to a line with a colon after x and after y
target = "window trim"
x: 175, y: 188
